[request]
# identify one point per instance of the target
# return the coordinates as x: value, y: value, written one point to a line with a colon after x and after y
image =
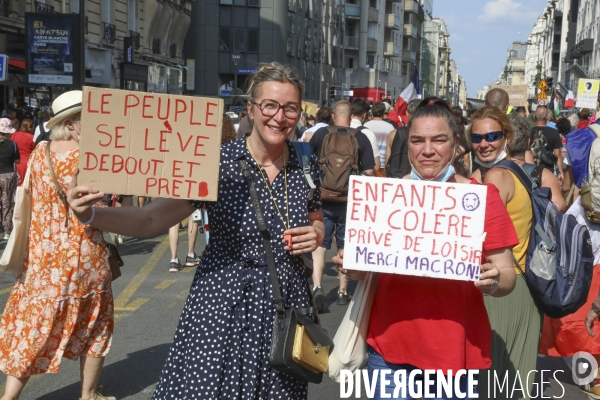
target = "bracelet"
x: 497, y: 283
x: 91, y: 218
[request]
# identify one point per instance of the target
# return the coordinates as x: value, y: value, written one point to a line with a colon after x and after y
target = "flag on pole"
x: 555, y: 103
x: 570, y: 99
x: 412, y: 91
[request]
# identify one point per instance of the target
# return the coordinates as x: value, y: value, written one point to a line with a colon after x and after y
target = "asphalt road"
x: 148, y: 302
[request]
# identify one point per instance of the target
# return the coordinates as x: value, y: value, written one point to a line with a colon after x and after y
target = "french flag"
x: 569, y: 100
x: 412, y: 91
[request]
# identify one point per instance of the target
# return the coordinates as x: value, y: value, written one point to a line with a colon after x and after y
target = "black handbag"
x: 289, y: 353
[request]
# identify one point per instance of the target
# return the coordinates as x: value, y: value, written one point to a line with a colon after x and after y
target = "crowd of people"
x: 62, y: 302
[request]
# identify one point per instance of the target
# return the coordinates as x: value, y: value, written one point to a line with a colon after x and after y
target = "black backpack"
x: 398, y: 164
x: 44, y: 135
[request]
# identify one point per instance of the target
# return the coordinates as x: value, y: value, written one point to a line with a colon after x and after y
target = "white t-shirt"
x: 315, y: 128
x: 355, y: 123
x: 381, y: 129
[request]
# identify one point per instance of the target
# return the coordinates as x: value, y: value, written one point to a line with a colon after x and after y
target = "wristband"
x: 91, y: 218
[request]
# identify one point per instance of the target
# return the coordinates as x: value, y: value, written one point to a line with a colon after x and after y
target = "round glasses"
x: 269, y: 108
x: 489, y: 137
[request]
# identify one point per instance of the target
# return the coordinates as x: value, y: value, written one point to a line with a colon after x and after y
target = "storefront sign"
x: 52, y: 48
x: 422, y: 228
x: 150, y: 144
x: 98, y: 61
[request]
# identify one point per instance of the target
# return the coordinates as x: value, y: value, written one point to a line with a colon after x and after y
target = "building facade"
x: 514, y: 70
x: 153, y: 29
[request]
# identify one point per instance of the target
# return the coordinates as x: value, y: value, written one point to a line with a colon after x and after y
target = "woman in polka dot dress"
x: 222, y: 342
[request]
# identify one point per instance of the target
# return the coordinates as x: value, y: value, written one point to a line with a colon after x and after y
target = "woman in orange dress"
x: 62, y: 302
x: 24, y: 140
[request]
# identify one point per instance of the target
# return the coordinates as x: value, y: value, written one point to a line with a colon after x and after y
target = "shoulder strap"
x: 262, y: 226
x: 61, y: 193
x: 595, y: 128
x: 518, y: 171
x: 304, y: 153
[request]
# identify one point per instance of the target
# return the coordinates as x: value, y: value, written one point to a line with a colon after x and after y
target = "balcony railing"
x: 415, y: 7
x: 351, y: 42
x: 109, y: 33
x: 43, y: 8
x: 391, y: 50
x: 373, y: 15
x: 410, y: 30
x: 392, y: 21
x: 5, y: 8
x: 135, y: 38
x: 371, y: 45
x: 352, y: 11
x: 408, y: 55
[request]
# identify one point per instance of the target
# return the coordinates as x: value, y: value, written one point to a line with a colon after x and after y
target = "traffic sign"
x: 349, y: 93
x: 542, y: 103
x: 246, y: 71
x: 542, y: 95
x: 236, y: 58
x: 543, y: 86
x: 3, y: 67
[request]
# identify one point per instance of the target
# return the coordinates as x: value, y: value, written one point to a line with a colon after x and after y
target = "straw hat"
x: 6, y: 126
x: 64, y: 106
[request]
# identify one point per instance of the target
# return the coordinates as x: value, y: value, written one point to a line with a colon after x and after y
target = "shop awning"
x: 16, y: 63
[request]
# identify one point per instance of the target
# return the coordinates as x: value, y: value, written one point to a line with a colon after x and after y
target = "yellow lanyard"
x: 287, y: 204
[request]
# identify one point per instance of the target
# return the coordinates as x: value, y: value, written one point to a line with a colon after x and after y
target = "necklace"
x: 265, y: 165
x: 287, y: 206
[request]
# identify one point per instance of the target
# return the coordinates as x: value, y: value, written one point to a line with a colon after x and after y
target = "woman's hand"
x: 82, y: 198
x: 489, y: 278
x: 305, y: 239
x: 590, y: 317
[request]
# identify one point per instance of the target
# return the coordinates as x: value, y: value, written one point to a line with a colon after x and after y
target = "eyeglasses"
x: 269, y: 108
x: 489, y: 137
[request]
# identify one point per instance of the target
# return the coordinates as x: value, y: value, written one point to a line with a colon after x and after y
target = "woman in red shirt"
x: 429, y: 323
x: 584, y: 118
x: 24, y: 140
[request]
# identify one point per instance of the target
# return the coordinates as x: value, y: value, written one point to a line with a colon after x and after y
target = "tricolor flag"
x: 570, y: 99
x: 555, y: 103
x: 412, y: 91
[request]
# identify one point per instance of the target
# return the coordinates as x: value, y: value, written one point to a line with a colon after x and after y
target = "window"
x: 254, y: 17
x: 253, y: 41
x: 239, y: 2
x: 225, y: 39
x: 239, y: 17
x: 372, y: 30
x: 225, y: 14
x: 253, y: 3
x: 239, y: 40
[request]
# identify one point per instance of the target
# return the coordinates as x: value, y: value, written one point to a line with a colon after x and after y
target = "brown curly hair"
x: 227, y: 130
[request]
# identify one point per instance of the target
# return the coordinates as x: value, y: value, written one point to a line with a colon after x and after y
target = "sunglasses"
x: 489, y: 137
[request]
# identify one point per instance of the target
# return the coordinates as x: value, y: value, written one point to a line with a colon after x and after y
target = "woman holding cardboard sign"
x: 222, y: 343
x: 429, y: 323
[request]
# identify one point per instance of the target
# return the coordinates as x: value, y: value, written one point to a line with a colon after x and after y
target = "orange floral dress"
x: 62, y: 302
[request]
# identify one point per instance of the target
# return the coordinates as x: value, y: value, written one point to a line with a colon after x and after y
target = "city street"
x: 148, y: 302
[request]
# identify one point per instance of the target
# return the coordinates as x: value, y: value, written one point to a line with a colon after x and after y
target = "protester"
x: 515, y: 320
x: 522, y: 111
x: 61, y: 305
x: 381, y: 129
x: 25, y: 144
x: 228, y: 132
x: 574, y: 120
x: 360, y: 112
x: 546, y: 144
x: 311, y: 121
x: 334, y: 212
x: 498, y: 98
x: 9, y: 157
x: 245, y: 125
x: 229, y: 311
x: 16, y: 124
x: 584, y: 118
x: 430, y: 323
x: 463, y: 144
x: 563, y: 126
x: 323, y: 120
x: 386, y: 114
x: 396, y: 151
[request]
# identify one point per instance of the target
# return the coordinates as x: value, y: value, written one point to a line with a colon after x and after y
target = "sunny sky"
x: 481, y: 32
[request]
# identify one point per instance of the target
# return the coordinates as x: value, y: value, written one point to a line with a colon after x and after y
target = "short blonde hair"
x: 60, y: 131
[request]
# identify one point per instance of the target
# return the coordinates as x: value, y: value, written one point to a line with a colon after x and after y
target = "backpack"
x: 539, y: 148
x: 337, y: 161
x: 398, y: 164
x: 560, y: 257
x: 590, y: 190
x: 44, y: 135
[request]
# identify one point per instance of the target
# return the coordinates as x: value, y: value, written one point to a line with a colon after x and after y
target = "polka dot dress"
x: 221, y: 346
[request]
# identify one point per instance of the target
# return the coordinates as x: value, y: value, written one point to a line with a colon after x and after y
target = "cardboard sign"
x: 421, y: 228
x: 587, y: 93
x: 517, y: 94
x: 150, y: 144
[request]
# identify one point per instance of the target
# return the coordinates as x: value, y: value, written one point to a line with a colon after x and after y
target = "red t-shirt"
x: 583, y: 123
x: 438, y: 323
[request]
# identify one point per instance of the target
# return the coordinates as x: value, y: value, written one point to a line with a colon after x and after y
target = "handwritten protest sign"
x: 150, y: 144
x: 421, y: 228
x: 517, y: 94
x: 587, y: 93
